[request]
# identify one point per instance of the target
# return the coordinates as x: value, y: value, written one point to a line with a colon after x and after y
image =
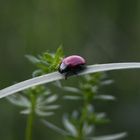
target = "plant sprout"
x: 81, y: 124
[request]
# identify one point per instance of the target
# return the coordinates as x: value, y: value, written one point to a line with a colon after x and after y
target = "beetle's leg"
x: 66, y: 75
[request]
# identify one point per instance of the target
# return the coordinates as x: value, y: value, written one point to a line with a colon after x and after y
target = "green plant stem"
x: 30, y: 119
x: 84, y: 117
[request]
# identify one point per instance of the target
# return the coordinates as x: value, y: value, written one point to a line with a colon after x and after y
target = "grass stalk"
x: 30, y: 119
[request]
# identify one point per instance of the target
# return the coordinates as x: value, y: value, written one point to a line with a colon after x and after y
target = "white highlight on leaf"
x: 110, y: 137
x: 105, y: 97
x: 69, y: 126
x: 55, y: 128
x: 57, y: 76
x: 87, y: 129
x: 49, y: 107
x: 19, y: 100
x: 42, y: 113
x: 72, y: 97
x: 26, y: 111
x: 51, y: 99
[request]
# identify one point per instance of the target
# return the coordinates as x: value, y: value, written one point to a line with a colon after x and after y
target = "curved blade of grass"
x: 57, y: 76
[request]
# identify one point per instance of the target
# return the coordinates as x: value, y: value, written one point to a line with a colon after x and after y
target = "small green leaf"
x: 100, y: 118
x: 105, y: 97
x: 71, y: 89
x: 19, y: 100
x: 51, y: 99
x: 42, y: 113
x: 32, y: 59
x: 59, y: 52
x: 58, y: 84
x: 87, y: 129
x: 55, y: 128
x: 72, y: 97
x: 26, y: 111
x: 47, y: 57
x: 43, y: 100
x: 69, y: 126
x: 37, y: 73
x: 107, y: 82
x: 50, y: 107
x: 110, y: 137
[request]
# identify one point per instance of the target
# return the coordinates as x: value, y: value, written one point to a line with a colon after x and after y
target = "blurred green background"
x: 102, y: 31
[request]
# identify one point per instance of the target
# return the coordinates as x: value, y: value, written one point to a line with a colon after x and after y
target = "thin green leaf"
x: 19, y: 100
x: 47, y: 57
x: 107, y: 82
x: 43, y: 96
x: 50, y: 107
x: 100, y: 118
x: 51, y: 99
x: 26, y: 111
x: 69, y: 126
x: 72, y: 97
x: 105, y: 97
x: 87, y: 129
x: 59, y: 52
x: 55, y: 128
x: 37, y: 73
x: 71, y: 89
x: 43, y: 113
x: 32, y: 59
x: 58, y: 84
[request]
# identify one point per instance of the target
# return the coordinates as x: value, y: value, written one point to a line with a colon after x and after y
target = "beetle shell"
x: 71, y: 65
x: 73, y: 60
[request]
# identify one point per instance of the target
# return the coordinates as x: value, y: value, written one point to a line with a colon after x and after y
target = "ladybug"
x: 71, y: 65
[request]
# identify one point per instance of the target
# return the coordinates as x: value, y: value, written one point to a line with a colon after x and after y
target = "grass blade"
x: 57, y: 76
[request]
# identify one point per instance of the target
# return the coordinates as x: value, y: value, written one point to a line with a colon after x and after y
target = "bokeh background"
x: 102, y: 31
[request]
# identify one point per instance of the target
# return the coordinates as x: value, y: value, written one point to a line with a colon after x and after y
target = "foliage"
x: 44, y: 101
x: 81, y: 124
x: 40, y: 101
x: 47, y: 62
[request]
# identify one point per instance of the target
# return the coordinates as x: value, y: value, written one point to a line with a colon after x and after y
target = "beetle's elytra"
x: 71, y: 65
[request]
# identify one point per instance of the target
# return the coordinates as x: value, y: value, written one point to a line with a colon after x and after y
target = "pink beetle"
x: 72, y: 65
